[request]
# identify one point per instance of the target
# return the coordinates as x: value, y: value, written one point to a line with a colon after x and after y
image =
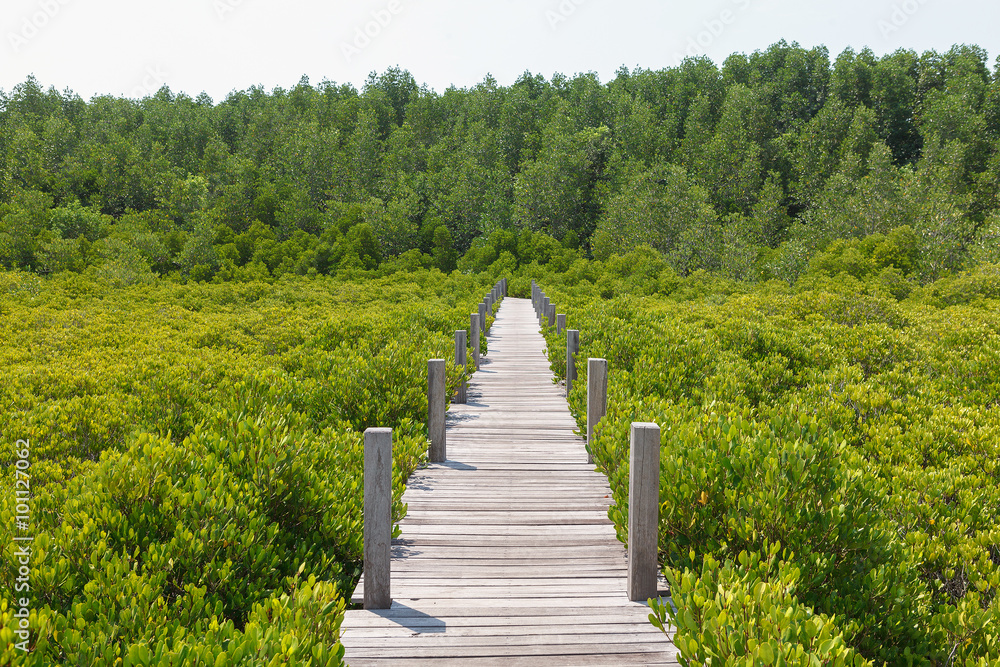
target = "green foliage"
x: 196, y: 456
x: 750, y: 169
x: 746, y: 610
x: 853, y: 425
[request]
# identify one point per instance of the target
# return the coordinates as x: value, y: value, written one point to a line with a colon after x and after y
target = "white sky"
x: 132, y: 47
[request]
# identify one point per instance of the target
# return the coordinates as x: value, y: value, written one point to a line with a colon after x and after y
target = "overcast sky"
x: 132, y: 47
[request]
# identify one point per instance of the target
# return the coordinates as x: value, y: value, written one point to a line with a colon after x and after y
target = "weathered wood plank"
x: 506, y: 554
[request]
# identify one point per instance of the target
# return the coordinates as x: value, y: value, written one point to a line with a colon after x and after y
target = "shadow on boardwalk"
x: 506, y: 554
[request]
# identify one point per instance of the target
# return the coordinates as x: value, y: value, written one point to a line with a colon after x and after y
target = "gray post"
x: 643, y: 511
x: 551, y: 314
x: 560, y: 323
x: 597, y: 398
x: 482, y: 316
x: 474, y: 328
x: 460, y: 344
x: 378, y: 517
x: 572, y: 349
x: 543, y: 310
x: 435, y: 409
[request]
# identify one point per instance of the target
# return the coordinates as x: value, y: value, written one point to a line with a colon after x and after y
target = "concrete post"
x: 378, y: 517
x: 436, y: 383
x: 560, y: 323
x: 597, y: 398
x: 474, y: 329
x: 572, y: 349
x: 460, y: 361
x: 643, y: 511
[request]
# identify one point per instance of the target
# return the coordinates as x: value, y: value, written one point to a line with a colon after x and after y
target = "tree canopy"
x: 751, y: 168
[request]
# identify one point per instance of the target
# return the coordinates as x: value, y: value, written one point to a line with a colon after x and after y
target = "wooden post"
x: 435, y: 409
x: 543, y: 311
x: 551, y: 314
x: 643, y: 511
x: 560, y: 323
x: 474, y: 328
x: 460, y: 361
x: 597, y: 398
x: 572, y: 349
x: 378, y: 517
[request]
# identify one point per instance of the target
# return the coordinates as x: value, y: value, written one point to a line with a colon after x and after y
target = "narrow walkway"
x: 507, y: 555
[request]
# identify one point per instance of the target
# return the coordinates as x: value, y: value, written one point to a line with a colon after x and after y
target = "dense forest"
x: 754, y: 170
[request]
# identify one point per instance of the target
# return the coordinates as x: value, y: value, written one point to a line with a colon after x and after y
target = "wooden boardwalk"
x: 507, y: 556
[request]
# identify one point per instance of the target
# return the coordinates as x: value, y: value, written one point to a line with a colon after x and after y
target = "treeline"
x: 751, y: 170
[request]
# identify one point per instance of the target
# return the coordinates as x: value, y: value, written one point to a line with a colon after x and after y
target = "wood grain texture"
x: 461, y: 344
x: 378, y: 517
x: 506, y: 555
x: 436, y: 401
x: 644, y: 506
x: 597, y: 397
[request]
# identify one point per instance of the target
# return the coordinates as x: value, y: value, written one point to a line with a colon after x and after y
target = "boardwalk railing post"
x: 543, y: 311
x: 551, y: 314
x: 482, y: 316
x: 572, y: 349
x: 560, y: 323
x: 460, y: 361
x: 378, y: 517
x: 597, y: 399
x: 474, y: 343
x: 643, y: 511
x: 435, y: 409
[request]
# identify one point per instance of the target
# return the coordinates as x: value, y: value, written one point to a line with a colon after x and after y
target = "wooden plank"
x: 506, y: 553
x: 462, y: 650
